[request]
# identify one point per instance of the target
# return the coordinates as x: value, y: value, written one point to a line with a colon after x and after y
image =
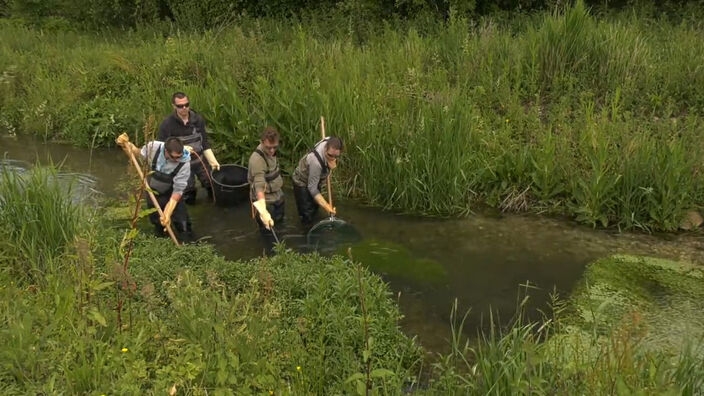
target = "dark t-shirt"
x: 174, y: 126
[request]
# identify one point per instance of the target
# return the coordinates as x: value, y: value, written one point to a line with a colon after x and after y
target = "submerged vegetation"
x: 633, y: 326
x: 596, y: 117
x: 395, y: 261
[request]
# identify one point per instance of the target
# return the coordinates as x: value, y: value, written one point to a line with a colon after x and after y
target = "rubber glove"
x: 168, y: 211
x: 124, y: 141
x: 189, y: 148
x: 211, y: 159
x: 325, y: 205
x: 332, y: 164
x: 264, y: 215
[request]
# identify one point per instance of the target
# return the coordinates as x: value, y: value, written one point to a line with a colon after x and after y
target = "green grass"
x: 37, y: 220
x: 598, y: 118
x: 622, y: 355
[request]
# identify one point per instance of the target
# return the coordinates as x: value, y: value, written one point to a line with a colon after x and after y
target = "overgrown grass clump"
x: 597, y: 118
x: 38, y: 221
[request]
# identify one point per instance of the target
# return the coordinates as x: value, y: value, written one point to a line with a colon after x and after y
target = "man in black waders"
x: 169, y: 172
x: 189, y: 127
x: 310, y: 174
x: 266, y: 185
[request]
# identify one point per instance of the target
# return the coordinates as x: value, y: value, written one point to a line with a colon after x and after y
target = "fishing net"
x: 331, y: 233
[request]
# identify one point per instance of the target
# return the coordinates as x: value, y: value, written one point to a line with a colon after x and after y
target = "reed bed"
x: 595, y: 117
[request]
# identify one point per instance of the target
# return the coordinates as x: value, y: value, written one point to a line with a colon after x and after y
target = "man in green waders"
x: 266, y: 184
x: 169, y: 172
x: 310, y: 174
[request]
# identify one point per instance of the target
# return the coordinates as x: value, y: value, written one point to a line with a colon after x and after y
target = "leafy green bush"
x: 289, y: 324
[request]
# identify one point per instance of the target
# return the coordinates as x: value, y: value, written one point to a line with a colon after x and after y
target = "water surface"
x: 481, y: 261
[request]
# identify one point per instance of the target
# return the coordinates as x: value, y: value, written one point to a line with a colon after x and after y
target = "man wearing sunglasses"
x: 169, y: 173
x: 310, y: 174
x: 266, y: 183
x: 189, y: 127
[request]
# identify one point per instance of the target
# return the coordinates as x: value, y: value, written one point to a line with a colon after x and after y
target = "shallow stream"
x: 481, y: 261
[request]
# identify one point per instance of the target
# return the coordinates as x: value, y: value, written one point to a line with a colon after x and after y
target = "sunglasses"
x: 174, y: 155
x: 181, y: 106
x: 271, y: 147
x: 336, y: 156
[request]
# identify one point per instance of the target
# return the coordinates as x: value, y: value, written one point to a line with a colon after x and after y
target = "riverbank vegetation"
x: 85, y: 311
x: 595, y: 116
x: 90, y: 307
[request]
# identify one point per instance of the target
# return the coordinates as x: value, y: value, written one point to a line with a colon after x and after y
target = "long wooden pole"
x: 322, y: 132
x: 151, y: 194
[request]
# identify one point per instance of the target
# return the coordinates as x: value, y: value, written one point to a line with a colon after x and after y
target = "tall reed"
x: 543, y: 113
x: 40, y: 219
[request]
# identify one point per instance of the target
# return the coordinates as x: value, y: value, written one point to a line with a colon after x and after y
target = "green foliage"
x: 197, y: 15
x: 39, y: 220
x: 286, y: 324
x: 596, y: 118
x: 209, y: 14
x: 304, y: 324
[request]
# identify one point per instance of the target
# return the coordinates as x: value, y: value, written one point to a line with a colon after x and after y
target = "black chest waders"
x: 198, y: 168
x: 195, y: 140
x: 161, y: 182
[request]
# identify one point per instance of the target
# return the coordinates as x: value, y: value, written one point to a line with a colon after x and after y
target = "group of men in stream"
x: 176, y: 159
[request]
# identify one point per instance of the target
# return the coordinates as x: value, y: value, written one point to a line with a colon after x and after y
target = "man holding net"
x: 310, y: 174
x: 266, y: 183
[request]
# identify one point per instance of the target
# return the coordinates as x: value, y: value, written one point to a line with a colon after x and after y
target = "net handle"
x: 322, y: 133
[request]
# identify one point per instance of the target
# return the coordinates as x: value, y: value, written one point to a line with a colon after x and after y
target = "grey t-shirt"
x: 168, y: 166
x: 310, y: 172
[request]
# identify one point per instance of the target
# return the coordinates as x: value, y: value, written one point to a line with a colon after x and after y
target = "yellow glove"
x: 332, y: 164
x: 168, y: 211
x: 211, y: 159
x: 264, y: 215
x: 122, y: 139
x: 189, y: 148
x: 325, y: 205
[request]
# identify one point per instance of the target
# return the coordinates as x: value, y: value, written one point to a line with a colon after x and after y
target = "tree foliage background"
x: 205, y: 14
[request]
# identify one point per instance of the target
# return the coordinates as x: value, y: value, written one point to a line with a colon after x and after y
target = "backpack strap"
x: 323, y: 164
x: 156, y: 158
x: 269, y: 176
